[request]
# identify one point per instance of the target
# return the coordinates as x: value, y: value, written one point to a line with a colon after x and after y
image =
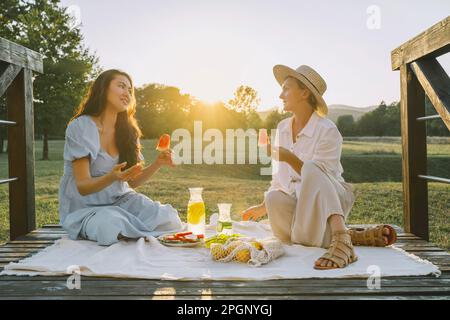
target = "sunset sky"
x: 207, y: 48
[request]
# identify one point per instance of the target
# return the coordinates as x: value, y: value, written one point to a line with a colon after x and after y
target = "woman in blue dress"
x: 103, y: 164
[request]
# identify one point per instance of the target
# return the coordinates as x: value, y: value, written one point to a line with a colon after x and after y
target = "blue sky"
x: 208, y: 48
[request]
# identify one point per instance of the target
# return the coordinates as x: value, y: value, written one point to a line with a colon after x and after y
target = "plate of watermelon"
x: 181, y: 239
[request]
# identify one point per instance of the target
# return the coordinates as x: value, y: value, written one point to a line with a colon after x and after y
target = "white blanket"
x: 151, y: 260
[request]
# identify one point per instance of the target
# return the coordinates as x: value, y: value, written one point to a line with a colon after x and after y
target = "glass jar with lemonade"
x: 196, y: 212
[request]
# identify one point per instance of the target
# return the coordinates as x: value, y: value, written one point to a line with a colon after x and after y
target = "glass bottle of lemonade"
x: 196, y: 212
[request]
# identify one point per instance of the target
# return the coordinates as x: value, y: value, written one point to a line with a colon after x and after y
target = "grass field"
x: 374, y: 168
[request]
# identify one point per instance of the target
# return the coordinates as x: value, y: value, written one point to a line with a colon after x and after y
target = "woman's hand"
x: 282, y: 154
x: 130, y: 174
x: 253, y: 213
x: 165, y: 159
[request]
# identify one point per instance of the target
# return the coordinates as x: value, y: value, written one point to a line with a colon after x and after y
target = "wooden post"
x: 436, y: 83
x: 19, y: 100
x: 414, y: 155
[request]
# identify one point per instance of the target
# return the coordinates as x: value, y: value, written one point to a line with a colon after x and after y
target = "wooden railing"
x: 16, y: 80
x: 420, y: 74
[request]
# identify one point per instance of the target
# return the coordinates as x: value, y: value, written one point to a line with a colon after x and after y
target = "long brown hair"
x: 127, y: 132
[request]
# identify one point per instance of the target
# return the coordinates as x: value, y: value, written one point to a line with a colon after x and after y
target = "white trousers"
x: 303, y: 219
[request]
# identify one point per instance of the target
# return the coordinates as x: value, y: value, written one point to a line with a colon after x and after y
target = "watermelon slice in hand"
x: 262, y: 138
x: 164, y: 143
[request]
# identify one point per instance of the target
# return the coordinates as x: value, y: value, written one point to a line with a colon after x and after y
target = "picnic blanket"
x: 152, y: 260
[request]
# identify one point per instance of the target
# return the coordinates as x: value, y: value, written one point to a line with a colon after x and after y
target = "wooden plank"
x: 145, y: 288
x: 436, y: 84
x: 416, y: 243
x: 21, y: 56
x: 21, y: 155
x: 10, y: 259
x: 48, y: 242
x: 414, y: 154
x: 423, y: 249
x: 413, y: 281
x: 437, y: 254
x: 31, y: 237
x: 433, y: 42
x: 7, y: 76
x: 14, y: 254
x: 58, y: 226
x: 18, y: 250
x: 26, y: 246
x: 48, y: 231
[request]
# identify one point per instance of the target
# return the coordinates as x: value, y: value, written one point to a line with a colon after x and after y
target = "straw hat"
x: 310, y: 78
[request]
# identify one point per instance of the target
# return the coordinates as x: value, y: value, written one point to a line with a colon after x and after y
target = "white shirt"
x: 319, y: 141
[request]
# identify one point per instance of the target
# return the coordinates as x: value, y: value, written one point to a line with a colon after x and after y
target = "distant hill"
x: 337, y: 110
x: 334, y: 111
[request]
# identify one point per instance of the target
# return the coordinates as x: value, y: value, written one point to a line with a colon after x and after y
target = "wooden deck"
x: 24, y: 288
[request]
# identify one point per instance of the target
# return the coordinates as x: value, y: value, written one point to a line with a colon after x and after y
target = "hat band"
x: 311, y: 83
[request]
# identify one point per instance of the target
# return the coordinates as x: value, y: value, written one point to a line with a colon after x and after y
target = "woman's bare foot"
x: 325, y: 263
x: 339, y: 254
x: 337, y: 224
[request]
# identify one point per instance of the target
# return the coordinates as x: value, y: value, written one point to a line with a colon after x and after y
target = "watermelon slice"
x: 262, y: 138
x: 164, y: 143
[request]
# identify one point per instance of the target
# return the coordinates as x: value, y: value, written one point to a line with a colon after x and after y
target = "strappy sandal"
x: 373, y: 236
x: 340, y: 251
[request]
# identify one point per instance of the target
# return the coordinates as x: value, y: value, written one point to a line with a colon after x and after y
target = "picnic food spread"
x: 181, y: 239
x: 223, y: 247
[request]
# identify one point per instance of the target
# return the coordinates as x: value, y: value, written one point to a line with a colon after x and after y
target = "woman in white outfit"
x: 308, y: 200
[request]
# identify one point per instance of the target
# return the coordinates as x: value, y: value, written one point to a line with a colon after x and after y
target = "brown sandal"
x: 373, y: 236
x: 340, y: 251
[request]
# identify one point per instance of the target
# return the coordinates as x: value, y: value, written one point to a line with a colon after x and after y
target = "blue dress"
x: 101, y: 216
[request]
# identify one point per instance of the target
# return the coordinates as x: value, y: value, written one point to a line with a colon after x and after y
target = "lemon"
x: 257, y: 245
x: 243, y: 256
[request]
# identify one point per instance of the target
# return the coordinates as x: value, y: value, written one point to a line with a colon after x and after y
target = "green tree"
x: 254, y: 120
x: 371, y: 123
x: 274, y: 118
x: 46, y: 27
x: 391, y: 120
x: 435, y: 127
x: 245, y: 99
x: 346, y: 125
x: 161, y: 109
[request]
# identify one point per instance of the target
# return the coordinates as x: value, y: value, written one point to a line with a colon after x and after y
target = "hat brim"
x: 281, y: 72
